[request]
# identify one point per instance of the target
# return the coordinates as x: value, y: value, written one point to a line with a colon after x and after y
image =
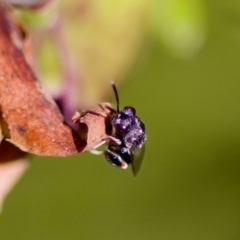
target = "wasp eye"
x: 122, y: 122
x: 129, y: 111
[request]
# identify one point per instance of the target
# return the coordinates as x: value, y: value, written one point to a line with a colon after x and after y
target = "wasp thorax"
x: 130, y: 127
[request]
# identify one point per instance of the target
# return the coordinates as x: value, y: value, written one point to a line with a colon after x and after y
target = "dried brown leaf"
x: 30, y: 118
x: 34, y: 122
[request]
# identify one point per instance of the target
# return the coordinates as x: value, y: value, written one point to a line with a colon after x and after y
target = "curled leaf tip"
x: 94, y: 124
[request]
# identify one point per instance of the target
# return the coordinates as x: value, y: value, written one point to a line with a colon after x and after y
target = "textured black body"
x: 129, y: 130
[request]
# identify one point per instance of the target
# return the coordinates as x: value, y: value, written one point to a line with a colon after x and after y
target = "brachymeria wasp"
x: 130, y: 130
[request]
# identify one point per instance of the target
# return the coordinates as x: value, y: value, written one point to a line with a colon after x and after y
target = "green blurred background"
x: 179, y: 66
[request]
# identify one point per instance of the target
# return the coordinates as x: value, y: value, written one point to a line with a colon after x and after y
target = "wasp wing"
x: 137, y: 159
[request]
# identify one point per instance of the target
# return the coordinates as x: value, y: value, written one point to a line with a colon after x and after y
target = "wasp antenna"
x: 116, y: 94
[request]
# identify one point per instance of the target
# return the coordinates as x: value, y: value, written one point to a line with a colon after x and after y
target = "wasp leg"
x: 107, y: 139
x: 115, y: 159
x: 115, y: 140
x: 96, y: 152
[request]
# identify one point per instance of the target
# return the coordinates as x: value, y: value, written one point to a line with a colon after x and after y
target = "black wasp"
x: 130, y: 130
